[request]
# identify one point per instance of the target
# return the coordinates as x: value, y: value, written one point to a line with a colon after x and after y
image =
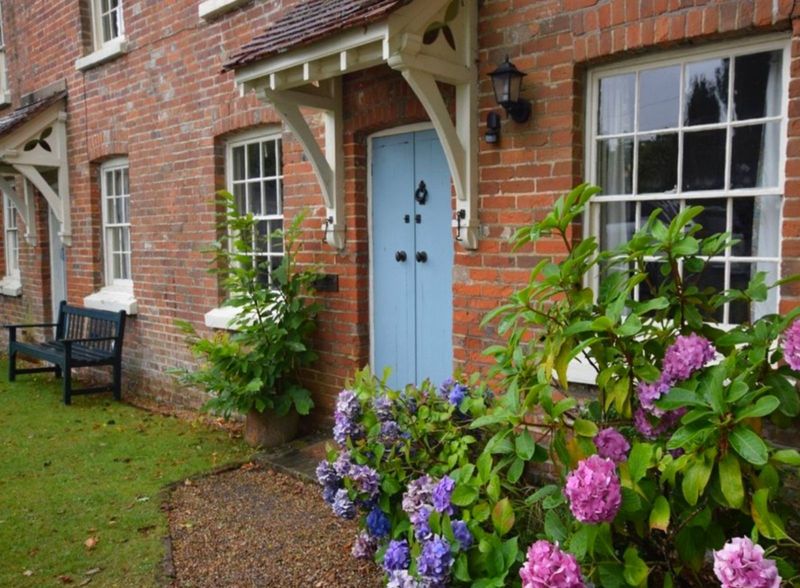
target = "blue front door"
x: 412, y: 259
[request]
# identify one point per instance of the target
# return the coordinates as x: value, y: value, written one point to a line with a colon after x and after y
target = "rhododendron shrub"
x: 665, y: 462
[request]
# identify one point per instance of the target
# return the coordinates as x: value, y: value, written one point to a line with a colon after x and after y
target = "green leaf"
x: 730, y: 478
x: 542, y: 492
x: 464, y: 495
x: 554, y: 527
x: 787, y: 456
x: 585, y: 428
x: 659, y: 516
x: 481, y: 511
x: 763, y: 406
x: 484, y: 464
x: 525, y: 445
x: 493, y: 487
x: 785, y: 391
x: 695, y: 478
x: 639, y: 460
x: 611, y: 575
x: 510, y: 551
x: 767, y: 523
x: 749, y: 445
x: 679, y: 397
x: 503, y: 516
x: 515, y: 471
x: 461, y: 569
x: 636, y: 571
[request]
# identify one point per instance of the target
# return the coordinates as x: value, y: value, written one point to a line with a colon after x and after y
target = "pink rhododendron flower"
x: 593, y: 490
x: 549, y: 567
x: 791, y: 345
x: 741, y: 564
x: 611, y: 444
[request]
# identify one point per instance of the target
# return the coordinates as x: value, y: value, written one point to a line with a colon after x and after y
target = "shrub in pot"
x: 252, y: 369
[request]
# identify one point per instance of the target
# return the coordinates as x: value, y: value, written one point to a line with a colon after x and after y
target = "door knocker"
x: 421, y: 195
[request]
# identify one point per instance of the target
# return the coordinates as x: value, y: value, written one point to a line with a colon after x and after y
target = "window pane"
x: 615, y: 165
x: 706, y: 93
x: 770, y: 305
x: 766, y: 226
x: 104, y: 6
x: 126, y: 211
x: 254, y: 198
x: 107, y: 31
x: 617, y: 223
x: 239, y: 198
x: 276, y: 243
x: 658, y: 98
x: 740, y: 277
x: 262, y: 275
x: 669, y: 210
x: 704, y: 160
x: 655, y: 277
x: 754, y: 156
x: 238, y: 163
x: 111, y: 210
x: 713, y: 277
x: 125, y: 182
x: 254, y: 160
x: 758, y: 85
x: 714, y: 218
x: 270, y: 159
x: 118, y: 182
x: 271, y: 196
x: 262, y: 236
x: 616, y: 104
x: 120, y: 210
x: 658, y: 163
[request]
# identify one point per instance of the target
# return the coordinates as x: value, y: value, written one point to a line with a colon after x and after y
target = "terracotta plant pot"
x: 266, y: 429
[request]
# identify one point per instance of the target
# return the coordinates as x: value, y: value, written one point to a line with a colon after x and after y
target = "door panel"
x: 392, y: 280
x: 434, y: 288
x: 412, y: 300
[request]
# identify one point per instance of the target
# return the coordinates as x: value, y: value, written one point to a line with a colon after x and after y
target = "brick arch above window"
x: 107, y: 144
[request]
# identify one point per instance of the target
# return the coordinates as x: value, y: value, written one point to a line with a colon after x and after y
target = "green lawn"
x: 90, y: 470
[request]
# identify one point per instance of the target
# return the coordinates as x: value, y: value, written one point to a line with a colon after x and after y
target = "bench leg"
x: 67, y: 386
x: 58, y: 372
x: 118, y: 381
x: 12, y: 366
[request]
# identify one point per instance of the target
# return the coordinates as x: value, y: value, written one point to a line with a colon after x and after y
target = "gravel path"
x: 256, y: 527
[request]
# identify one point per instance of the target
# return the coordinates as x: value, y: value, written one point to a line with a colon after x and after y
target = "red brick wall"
x: 166, y: 106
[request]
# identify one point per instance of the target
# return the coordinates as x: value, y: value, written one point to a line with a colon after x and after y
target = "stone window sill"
x: 10, y: 286
x: 5, y: 99
x: 212, y: 8
x: 115, y: 298
x: 221, y: 318
x: 107, y: 52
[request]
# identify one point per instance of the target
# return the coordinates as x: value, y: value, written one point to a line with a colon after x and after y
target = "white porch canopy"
x: 33, y: 144
x: 427, y: 41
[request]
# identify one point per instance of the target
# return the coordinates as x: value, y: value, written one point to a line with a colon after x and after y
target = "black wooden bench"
x: 83, y: 338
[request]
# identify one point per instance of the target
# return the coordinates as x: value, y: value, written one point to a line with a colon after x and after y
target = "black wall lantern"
x: 507, y: 83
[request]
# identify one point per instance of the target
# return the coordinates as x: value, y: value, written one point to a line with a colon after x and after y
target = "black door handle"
x: 421, y: 195
x: 422, y: 257
x: 400, y: 255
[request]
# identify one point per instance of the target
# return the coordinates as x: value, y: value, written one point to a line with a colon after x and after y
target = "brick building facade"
x: 153, y: 124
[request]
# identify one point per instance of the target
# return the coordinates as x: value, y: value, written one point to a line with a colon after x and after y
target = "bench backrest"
x: 88, y: 323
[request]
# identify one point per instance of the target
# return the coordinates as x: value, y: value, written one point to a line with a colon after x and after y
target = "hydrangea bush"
x: 660, y: 475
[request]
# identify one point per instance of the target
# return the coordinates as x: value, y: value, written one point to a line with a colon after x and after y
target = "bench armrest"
x: 31, y: 325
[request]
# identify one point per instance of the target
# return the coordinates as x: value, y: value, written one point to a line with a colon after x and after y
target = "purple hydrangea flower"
x: 390, y: 432
x: 435, y: 561
x: 791, y: 345
x: 642, y: 423
x: 366, y: 478
x: 611, y: 444
x: 457, y: 394
x: 741, y: 564
x: 345, y: 427
x: 343, y: 464
x: 378, y: 523
x: 397, y: 556
x: 441, y: 495
x: 649, y: 393
x: 342, y: 505
x: 401, y: 579
x: 685, y: 356
x: 445, y: 387
x: 418, y: 494
x: 420, y: 520
x: 329, y: 494
x: 347, y: 404
x: 593, y: 490
x: 364, y: 546
x: 549, y: 567
x: 382, y: 405
x: 462, y: 534
x: 326, y: 474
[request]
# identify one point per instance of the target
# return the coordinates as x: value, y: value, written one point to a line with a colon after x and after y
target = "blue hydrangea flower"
x: 462, y: 534
x: 383, y: 408
x: 326, y: 474
x: 366, y: 478
x: 347, y: 404
x: 346, y: 427
x: 442, y: 493
x: 435, y: 561
x: 329, y: 494
x: 365, y: 546
x: 457, y: 394
x: 343, y: 464
x: 420, y: 520
x: 390, y: 432
x: 445, y: 387
x: 397, y: 556
x: 401, y: 579
x: 378, y: 523
x: 342, y: 505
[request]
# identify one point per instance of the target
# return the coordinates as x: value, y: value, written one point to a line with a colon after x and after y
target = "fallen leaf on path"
x: 91, y: 572
x: 65, y: 579
x: 90, y: 543
x: 27, y: 573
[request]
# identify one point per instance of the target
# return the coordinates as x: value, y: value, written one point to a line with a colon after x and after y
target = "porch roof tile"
x: 25, y: 113
x: 309, y: 21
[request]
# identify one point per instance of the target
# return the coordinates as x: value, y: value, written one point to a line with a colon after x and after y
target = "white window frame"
x: 220, y: 318
x: 5, y: 95
x: 580, y: 371
x: 104, y: 49
x: 10, y: 284
x: 118, y: 293
x: 98, y: 15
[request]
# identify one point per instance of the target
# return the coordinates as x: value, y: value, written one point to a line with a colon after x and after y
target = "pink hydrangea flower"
x: 649, y: 393
x: 791, y: 345
x: 611, y: 444
x: 685, y: 356
x: 593, y: 490
x: 741, y: 564
x: 549, y: 567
